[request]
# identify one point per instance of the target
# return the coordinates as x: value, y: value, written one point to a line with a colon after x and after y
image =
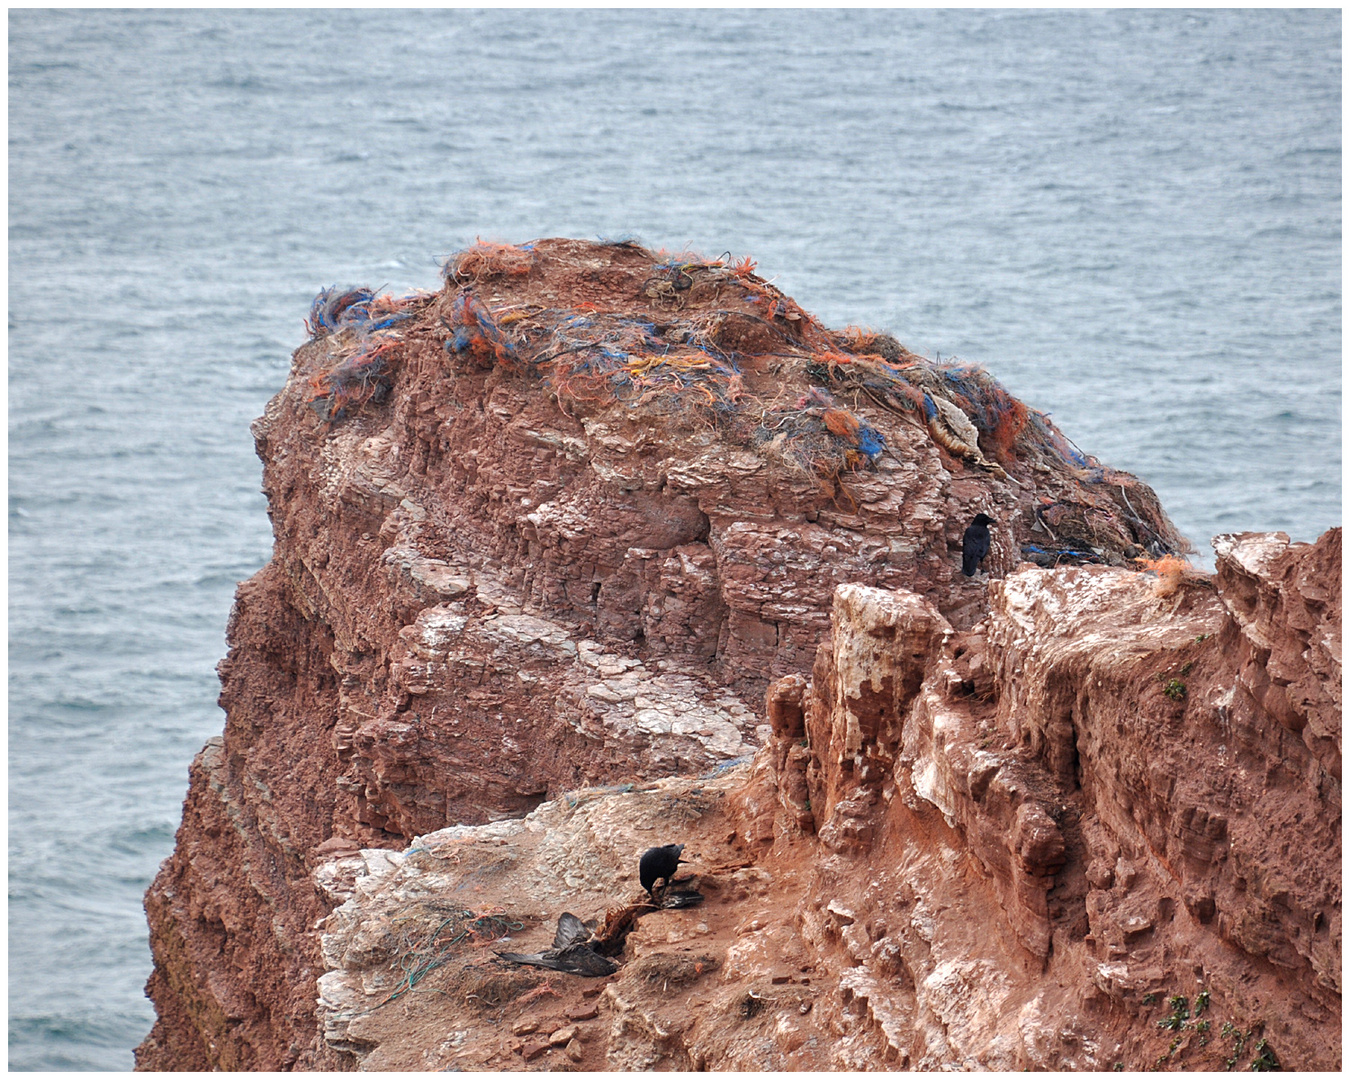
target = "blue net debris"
x: 366, y: 325
x: 700, y: 342
x: 334, y: 308
x: 1052, y: 557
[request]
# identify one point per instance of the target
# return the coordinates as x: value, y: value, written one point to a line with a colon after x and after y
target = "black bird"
x: 975, y: 544
x: 658, y: 863
x: 571, y: 951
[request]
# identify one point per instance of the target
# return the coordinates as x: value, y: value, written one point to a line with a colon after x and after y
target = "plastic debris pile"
x: 362, y: 327
x: 679, y: 349
x: 689, y: 371
x: 805, y: 435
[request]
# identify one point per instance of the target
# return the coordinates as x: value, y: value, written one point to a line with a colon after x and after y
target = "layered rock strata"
x: 1070, y: 838
x: 559, y: 526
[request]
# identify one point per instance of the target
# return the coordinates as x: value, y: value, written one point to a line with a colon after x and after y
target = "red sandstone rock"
x: 531, y: 1050
x: 563, y: 1036
x: 983, y: 899
x: 489, y: 590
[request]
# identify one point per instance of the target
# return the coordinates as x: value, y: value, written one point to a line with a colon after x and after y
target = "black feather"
x: 571, y: 931
x: 571, y: 951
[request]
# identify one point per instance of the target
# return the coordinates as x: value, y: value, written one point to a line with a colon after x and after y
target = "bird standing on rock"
x: 658, y: 863
x: 975, y: 544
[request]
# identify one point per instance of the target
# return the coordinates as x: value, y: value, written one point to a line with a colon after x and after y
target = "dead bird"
x: 571, y: 952
x: 975, y: 544
x: 658, y: 864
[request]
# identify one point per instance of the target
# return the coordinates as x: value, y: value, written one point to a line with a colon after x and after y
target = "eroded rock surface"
x: 1083, y: 812
x: 514, y: 560
x: 1002, y: 849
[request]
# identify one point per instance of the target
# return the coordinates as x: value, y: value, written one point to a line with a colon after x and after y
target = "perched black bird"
x: 658, y: 863
x: 975, y: 544
x: 571, y: 951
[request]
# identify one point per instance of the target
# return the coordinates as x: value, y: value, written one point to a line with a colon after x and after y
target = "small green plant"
x: 1175, y: 689
x: 1201, y: 1002
x: 1172, y: 1047
x: 1119, y: 1066
x: 1181, y: 1012
x: 1239, y: 1041
x: 1202, y: 637
x: 1228, y: 1030
x: 1150, y: 999
x: 1265, y: 1060
x: 1186, y: 668
x: 1202, y: 1025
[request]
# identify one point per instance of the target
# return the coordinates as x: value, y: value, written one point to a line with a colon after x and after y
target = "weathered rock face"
x: 559, y: 526
x: 1285, y: 634
x: 1018, y: 862
x: 1084, y: 811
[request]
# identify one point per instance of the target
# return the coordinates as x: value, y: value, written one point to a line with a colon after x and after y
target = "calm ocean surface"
x: 1132, y: 218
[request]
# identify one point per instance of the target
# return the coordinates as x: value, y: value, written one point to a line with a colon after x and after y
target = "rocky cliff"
x: 559, y: 546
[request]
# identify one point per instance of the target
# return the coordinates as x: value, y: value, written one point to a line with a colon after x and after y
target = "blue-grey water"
x: 1132, y: 218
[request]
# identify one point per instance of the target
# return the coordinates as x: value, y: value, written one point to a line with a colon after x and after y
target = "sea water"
x: 1132, y: 218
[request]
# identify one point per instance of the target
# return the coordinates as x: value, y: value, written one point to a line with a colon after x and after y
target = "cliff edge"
x: 549, y: 539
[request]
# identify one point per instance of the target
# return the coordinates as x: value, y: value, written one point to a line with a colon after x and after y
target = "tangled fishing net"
x: 424, y: 940
x: 679, y: 350
x: 363, y: 327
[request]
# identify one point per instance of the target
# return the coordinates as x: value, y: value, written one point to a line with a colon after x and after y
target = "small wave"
x: 151, y: 838
x: 1310, y: 151
x: 77, y: 703
x: 239, y: 82
x: 225, y: 578
x: 956, y: 106
x: 81, y: 1040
